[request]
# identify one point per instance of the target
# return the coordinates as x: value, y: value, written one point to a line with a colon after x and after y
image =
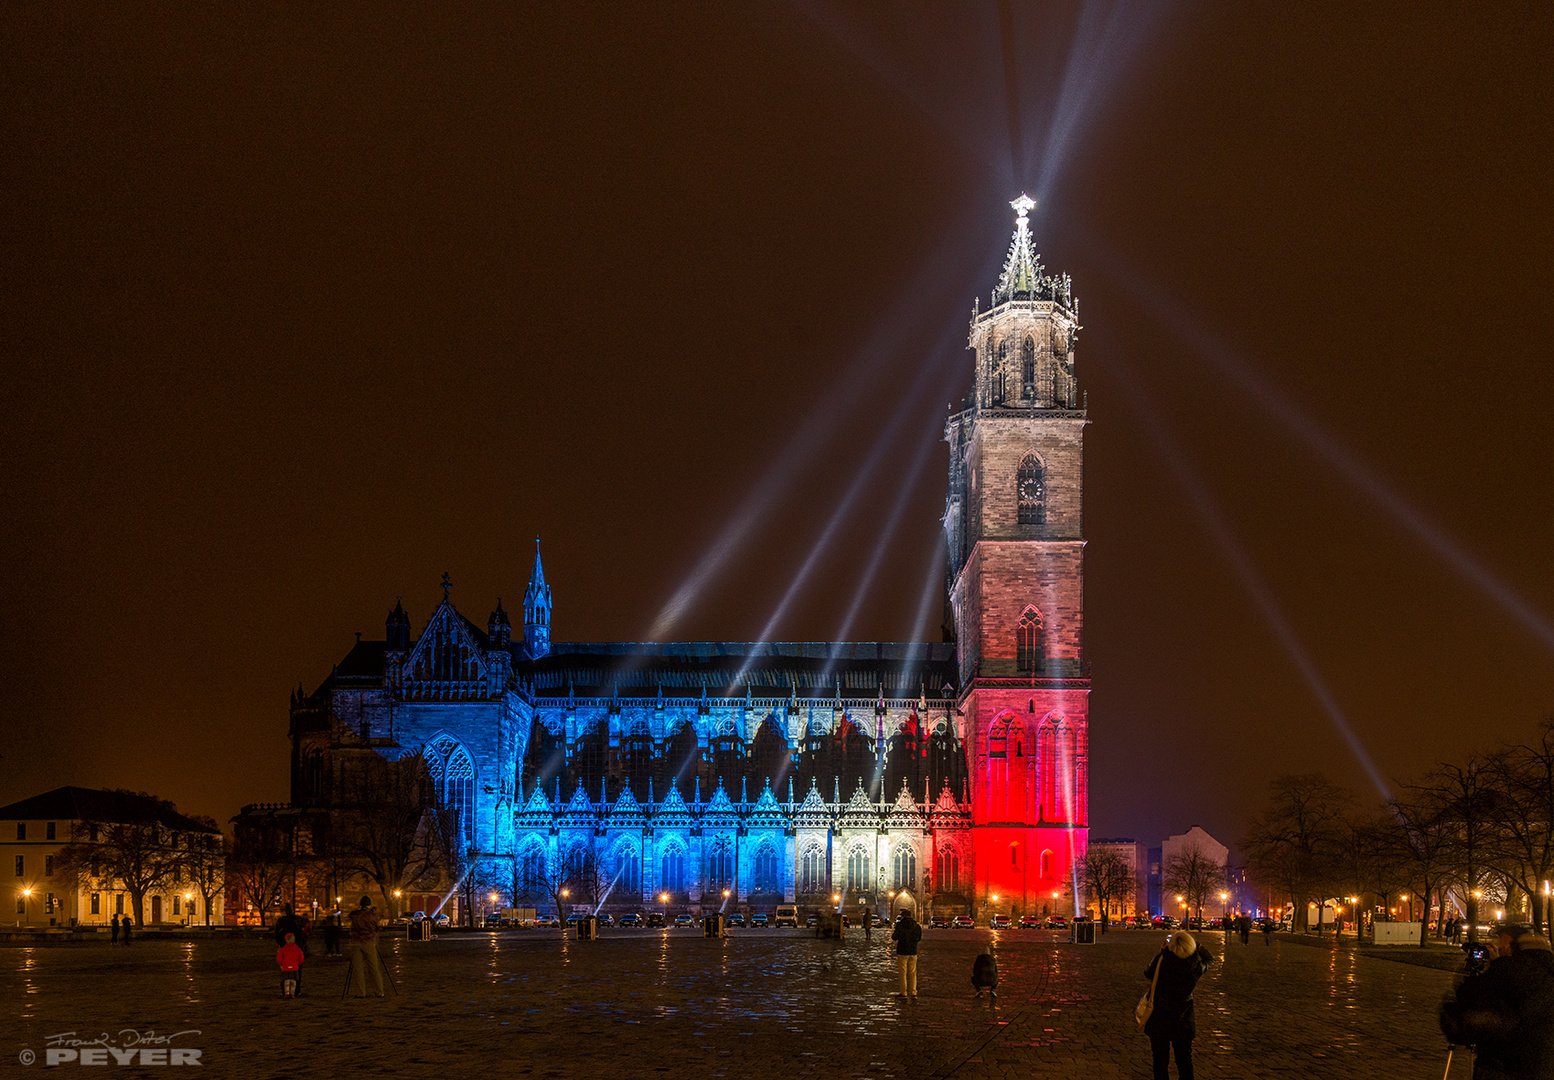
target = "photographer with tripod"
x: 1504, y: 1007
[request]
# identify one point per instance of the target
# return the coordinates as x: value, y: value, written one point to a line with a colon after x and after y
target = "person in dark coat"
x: 114, y: 922
x: 984, y: 974
x: 126, y: 924
x: 1506, y: 1013
x: 906, y: 935
x: 332, y: 934
x: 1171, y: 1026
x: 293, y: 924
x: 1244, y: 924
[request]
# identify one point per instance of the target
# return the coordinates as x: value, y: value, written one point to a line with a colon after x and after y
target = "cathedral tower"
x: 1016, y: 588
x: 536, y: 610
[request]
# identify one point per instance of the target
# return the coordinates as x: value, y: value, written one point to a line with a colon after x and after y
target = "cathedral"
x: 947, y: 777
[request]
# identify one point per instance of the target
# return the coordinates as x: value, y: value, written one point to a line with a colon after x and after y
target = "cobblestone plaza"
x: 757, y: 1003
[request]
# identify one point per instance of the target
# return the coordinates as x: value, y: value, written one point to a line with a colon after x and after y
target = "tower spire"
x: 536, y: 610
x: 1022, y: 269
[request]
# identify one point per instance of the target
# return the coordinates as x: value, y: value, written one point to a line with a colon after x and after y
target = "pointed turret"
x: 397, y: 629
x: 536, y: 610
x: 499, y: 626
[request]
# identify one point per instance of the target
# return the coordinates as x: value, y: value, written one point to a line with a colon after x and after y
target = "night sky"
x: 305, y: 306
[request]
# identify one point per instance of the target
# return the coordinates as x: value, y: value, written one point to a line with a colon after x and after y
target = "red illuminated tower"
x: 1016, y: 589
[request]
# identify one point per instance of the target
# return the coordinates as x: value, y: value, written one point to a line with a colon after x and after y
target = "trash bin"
x: 712, y: 925
x: 588, y: 928
x: 1084, y: 932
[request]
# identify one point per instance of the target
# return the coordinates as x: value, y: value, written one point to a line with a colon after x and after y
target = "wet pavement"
x: 777, y: 1003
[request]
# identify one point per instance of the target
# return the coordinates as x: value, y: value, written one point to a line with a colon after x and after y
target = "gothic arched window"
x: 948, y: 870
x: 764, y: 878
x: 904, y: 866
x: 1028, y: 370
x: 812, y: 871
x: 673, y: 879
x: 999, y: 373
x: 1031, y: 491
x: 629, y: 870
x: 1030, y: 641
x: 720, y: 864
x: 858, y: 870
x: 459, y: 793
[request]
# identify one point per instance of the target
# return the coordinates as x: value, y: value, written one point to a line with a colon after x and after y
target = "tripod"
x: 351, y: 968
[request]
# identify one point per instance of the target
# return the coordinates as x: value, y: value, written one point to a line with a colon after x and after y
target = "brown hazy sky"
x: 305, y: 306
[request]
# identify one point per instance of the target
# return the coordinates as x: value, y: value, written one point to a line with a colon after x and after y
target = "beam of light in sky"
x: 1331, y: 450
x: 1245, y: 570
x: 951, y: 264
x: 1109, y: 34
x: 933, y: 589
x: 930, y: 438
x: 1011, y: 83
x: 909, y: 403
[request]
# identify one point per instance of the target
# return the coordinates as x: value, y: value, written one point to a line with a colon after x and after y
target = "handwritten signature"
x: 126, y: 1038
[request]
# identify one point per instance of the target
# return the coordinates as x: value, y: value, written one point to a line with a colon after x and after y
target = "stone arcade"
x: 945, y: 776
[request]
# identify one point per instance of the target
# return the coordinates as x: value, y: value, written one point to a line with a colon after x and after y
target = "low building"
x: 1135, y: 854
x: 79, y: 856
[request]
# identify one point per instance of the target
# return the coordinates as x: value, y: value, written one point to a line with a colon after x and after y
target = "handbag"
x: 1146, y: 1005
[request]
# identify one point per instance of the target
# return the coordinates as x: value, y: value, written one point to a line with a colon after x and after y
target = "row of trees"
x: 1466, y: 835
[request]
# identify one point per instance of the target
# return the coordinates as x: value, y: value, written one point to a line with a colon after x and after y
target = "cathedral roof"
x: 672, y: 811
x: 579, y: 813
x: 1023, y: 278
x: 860, y: 813
x: 812, y: 812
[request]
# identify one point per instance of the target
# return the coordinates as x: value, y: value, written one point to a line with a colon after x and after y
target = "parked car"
x: 1030, y: 922
x: 812, y: 919
x: 963, y: 922
x: 1057, y: 922
x: 787, y: 915
x: 491, y: 922
x: 631, y: 919
x: 546, y: 920
x: 416, y: 916
x: 683, y: 919
x: 736, y: 919
x: 606, y: 919
x: 759, y: 921
x: 999, y: 922
x: 1164, y: 922
x: 939, y: 922
x: 655, y: 918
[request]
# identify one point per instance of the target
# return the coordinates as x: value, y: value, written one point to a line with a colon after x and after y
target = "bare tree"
x: 380, y: 822
x: 205, y: 864
x: 1107, y: 877
x: 555, y: 877
x: 1290, y: 845
x: 1472, y: 807
x: 1524, y: 775
x: 256, y: 867
x: 1194, y: 875
x: 140, y: 855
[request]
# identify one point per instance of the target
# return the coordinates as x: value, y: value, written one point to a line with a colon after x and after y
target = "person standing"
x: 1244, y: 924
x: 127, y: 924
x: 868, y: 925
x: 1506, y: 1012
x: 114, y: 923
x: 906, y: 935
x: 332, y: 934
x: 364, y: 950
x: 1171, y: 1026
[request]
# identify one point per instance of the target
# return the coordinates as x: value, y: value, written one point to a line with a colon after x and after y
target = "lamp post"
x: 26, y: 903
x: 396, y: 905
x: 188, y: 910
x: 1224, y: 902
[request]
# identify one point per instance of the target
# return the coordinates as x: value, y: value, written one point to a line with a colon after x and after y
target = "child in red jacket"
x: 289, y: 957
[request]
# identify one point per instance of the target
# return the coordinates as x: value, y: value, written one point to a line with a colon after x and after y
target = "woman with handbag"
x: 1167, y: 1012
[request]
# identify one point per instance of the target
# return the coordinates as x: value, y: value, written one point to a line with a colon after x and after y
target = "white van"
x: 787, y: 915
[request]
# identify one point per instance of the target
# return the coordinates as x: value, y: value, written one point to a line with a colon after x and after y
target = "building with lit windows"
x: 929, y: 775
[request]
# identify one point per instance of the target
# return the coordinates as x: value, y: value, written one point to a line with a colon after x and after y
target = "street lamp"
x: 396, y: 903
x: 188, y: 910
x: 26, y: 902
